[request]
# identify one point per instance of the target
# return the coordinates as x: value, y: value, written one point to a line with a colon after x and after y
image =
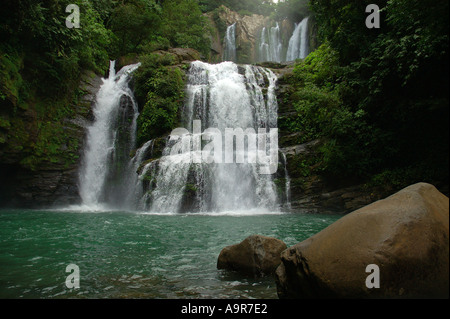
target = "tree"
x: 185, y: 26
x: 133, y: 24
x: 263, y: 7
x: 393, y: 84
x: 294, y: 10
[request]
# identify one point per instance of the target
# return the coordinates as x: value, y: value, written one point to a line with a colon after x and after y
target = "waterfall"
x: 134, y: 192
x: 230, y: 111
x: 288, y: 182
x: 271, y: 47
x: 299, y: 42
x: 222, y: 96
x: 105, y: 176
x: 230, y: 44
x: 264, y: 49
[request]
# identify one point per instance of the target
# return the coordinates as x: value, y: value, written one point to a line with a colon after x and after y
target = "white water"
x: 288, y: 182
x: 230, y: 44
x: 103, y: 134
x: 221, y: 97
x: 271, y: 47
x: 299, y: 42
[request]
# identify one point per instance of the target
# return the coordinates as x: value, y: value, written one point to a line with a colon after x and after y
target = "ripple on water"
x: 134, y: 255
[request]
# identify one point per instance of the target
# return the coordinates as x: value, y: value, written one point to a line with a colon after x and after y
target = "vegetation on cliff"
x: 160, y: 89
x: 378, y: 98
x: 41, y: 62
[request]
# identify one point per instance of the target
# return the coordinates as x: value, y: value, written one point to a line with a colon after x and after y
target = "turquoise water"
x: 136, y: 255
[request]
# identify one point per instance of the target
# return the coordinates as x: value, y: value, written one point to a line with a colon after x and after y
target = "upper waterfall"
x: 299, y: 42
x: 230, y: 44
x: 271, y: 47
x: 255, y: 38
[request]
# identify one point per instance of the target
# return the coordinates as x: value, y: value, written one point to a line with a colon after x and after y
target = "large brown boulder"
x: 405, y: 235
x: 256, y: 255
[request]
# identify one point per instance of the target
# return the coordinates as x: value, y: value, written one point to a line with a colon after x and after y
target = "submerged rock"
x: 256, y: 255
x: 406, y: 235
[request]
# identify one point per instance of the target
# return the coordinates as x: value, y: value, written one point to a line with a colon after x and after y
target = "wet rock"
x: 406, y: 235
x: 256, y: 256
x: 51, y: 182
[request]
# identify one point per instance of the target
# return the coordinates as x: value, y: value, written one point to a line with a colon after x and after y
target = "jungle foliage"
x: 378, y: 98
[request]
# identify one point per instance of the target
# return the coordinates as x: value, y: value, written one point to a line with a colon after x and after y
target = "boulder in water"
x: 256, y: 255
x: 406, y: 236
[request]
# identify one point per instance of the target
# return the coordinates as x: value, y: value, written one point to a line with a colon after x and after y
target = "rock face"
x: 405, y: 235
x: 256, y: 255
x: 248, y: 28
x: 50, y: 183
x: 181, y: 55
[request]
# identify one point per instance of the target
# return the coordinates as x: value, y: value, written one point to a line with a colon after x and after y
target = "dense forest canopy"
x: 34, y: 32
x: 36, y: 40
x: 378, y: 98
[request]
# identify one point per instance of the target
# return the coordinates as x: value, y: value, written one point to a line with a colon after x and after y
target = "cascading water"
x: 230, y: 44
x: 222, y: 96
x: 299, y: 42
x: 105, y: 176
x: 271, y: 47
x: 288, y: 182
x: 264, y: 49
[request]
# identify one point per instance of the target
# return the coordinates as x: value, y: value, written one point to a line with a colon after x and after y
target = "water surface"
x: 137, y: 255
